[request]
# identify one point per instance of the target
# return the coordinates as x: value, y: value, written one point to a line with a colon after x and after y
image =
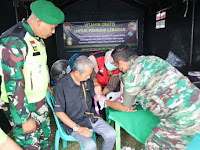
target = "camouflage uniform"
x: 162, y: 89
x: 12, y: 62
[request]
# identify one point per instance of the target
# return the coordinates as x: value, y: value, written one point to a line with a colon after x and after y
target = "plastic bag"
x: 174, y: 60
x: 127, y: 148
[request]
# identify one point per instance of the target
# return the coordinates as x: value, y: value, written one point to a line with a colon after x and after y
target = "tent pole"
x: 192, y: 33
x: 15, y: 4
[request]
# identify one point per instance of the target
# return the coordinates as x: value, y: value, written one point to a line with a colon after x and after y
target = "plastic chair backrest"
x: 51, y: 102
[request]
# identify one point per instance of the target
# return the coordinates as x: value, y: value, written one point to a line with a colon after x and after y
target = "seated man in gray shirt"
x: 73, y: 106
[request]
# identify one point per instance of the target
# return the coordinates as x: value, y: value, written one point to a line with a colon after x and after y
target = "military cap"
x: 47, y: 12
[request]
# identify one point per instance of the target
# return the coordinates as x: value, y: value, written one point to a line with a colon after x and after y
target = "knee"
x: 111, y: 135
x: 90, y: 146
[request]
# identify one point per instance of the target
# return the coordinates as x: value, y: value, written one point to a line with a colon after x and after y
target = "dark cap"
x: 72, y: 60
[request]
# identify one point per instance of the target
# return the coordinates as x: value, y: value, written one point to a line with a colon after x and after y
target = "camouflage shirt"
x: 158, y: 86
x: 12, y: 62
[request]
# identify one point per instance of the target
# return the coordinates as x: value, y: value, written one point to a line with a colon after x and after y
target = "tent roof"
x: 143, y: 4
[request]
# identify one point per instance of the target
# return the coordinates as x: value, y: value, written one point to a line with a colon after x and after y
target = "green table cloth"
x: 138, y: 124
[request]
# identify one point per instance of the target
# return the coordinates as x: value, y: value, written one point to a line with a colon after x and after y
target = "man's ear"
x: 38, y: 22
x: 76, y: 73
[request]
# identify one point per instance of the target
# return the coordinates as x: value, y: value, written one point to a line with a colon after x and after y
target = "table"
x: 138, y: 124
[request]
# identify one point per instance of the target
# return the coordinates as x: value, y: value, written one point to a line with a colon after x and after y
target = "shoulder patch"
x: 16, y: 59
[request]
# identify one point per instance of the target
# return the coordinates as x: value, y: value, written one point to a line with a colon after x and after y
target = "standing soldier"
x: 25, y: 74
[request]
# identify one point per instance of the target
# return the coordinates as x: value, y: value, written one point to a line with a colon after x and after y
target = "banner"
x: 90, y: 36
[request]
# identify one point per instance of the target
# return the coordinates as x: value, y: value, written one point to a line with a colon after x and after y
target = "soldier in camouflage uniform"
x: 162, y: 89
x: 25, y: 75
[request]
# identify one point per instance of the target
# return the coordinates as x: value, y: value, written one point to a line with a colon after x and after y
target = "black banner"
x: 99, y: 35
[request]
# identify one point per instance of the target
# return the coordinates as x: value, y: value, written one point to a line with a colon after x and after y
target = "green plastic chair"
x: 60, y: 133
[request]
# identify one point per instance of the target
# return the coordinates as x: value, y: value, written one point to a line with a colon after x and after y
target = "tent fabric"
x: 138, y: 124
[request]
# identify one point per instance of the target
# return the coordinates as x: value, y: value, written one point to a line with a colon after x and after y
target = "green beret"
x: 47, y: 12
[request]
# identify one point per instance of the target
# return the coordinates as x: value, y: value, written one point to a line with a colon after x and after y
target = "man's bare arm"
x: 118, y: 106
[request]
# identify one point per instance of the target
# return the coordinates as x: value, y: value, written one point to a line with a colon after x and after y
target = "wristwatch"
x: 75, y: 128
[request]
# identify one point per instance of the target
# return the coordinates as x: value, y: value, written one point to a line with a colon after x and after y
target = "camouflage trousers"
x: 177, y: 130
x: 42, y: 137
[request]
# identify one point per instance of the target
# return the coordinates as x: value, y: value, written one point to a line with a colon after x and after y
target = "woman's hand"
x: 99, y: 97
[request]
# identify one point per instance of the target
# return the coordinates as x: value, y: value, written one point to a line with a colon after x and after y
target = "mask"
x: 110, y: 67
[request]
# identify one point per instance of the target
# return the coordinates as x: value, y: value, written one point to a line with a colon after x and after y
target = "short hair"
x: 81, y: 64
x: 122, y: 52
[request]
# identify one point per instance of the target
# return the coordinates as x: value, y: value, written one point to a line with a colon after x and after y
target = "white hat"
x: 108, y: 57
